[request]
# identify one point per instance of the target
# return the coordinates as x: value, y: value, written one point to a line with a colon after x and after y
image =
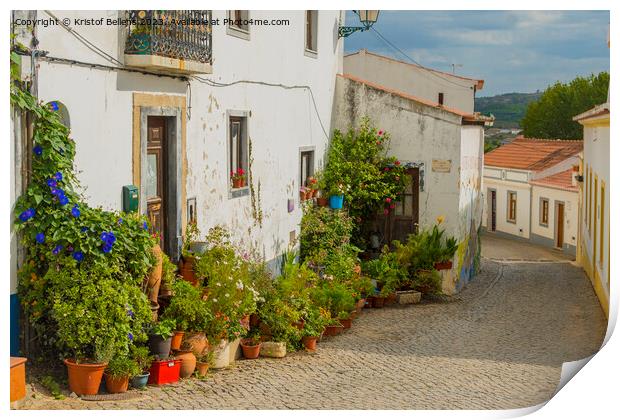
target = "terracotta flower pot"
x: 310, y: 343
x: 390, y: 299
x: 332, y: 330
x: 322, y: 201
x: 84, y: 378
x: 370, y: 300
x: 195, y: 342
x: 378, y: 302
x: 346, y: 323
x: 177, y: 339
x: 251, y: 349
x: 360, y: 304
x: 116, y: 384
x: 186, y: 270
x: 188, y: 363
x: 444, y: 265
x: 202, y: 368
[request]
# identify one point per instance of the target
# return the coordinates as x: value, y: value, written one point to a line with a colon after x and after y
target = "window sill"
x: 238, y: 192
x: 310, y: 53
x: 238, y: 32
x: 514, y: 222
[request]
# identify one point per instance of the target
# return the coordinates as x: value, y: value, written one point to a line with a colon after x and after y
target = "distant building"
x: 531, y: 192
x: 593, y: 245
x: 449, y: 90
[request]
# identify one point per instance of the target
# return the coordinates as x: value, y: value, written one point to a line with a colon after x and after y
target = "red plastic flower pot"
x: 165, y: 372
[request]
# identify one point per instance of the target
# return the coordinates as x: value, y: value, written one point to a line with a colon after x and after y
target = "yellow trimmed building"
x: 593, y: 233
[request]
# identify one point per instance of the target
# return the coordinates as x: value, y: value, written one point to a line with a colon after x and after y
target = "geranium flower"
x: 386, y: 211
x: 380, y: 132
x: 388, y: 200
x: 40, y: 238
x: 38, y: 150
x: 397, y: 163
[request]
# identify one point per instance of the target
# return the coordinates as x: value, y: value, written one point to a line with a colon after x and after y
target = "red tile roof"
x: 561, y: 180
x: 532, y: 154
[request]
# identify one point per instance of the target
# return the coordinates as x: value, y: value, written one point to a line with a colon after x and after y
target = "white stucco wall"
x: 280, y: 122
x: 470, y: 198
x: 571, y: 210
x: 414, y: 80
x: 596, y: 156
x: 521, y: 227
x: 418, y: 133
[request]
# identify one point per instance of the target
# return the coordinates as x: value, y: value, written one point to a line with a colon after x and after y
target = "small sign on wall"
x: 439, y: 165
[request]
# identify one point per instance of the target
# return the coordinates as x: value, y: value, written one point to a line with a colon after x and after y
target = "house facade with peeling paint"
x: 171, y: 118
x: 441, y: 145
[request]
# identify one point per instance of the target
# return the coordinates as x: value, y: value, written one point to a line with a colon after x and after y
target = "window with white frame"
x: 239, y: 20
x: 306, y: 166
x: 238, y: 151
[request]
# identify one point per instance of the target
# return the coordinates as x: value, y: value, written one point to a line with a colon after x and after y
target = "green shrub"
x: 122, y: 366
x: 323, y: 232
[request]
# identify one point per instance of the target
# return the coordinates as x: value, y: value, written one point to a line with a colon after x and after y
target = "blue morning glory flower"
x: 75, y: 211
x: 63, y: 200
x: 120, y: 220
x: 40, y: 238
x: 78, y: 256
x: 54, y: 105
x: 54, y: 191
x: 58, y: 192
x: 130, y: 336
x: 106, y: 248
x: 145, y: 226
x: 58, y: 176
x: 130, y: 313
x: 111, y: 238
x: 51, y: 183
x: 27, y: 215
x: 104, y: 236
x: 38, y: 150
x: 84, y: 229
x: 57, y: 249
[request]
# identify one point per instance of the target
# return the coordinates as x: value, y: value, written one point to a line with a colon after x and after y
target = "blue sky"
x: 513, y: 51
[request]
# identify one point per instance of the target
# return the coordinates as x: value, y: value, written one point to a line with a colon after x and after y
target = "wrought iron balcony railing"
x: 176, y: 34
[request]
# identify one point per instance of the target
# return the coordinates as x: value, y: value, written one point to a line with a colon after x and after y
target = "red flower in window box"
x: 238, y: 178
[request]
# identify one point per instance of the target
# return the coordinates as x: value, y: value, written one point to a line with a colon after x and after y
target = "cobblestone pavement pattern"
x: 500, y: 344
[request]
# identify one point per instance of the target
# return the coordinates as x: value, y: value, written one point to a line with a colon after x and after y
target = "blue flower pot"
x: 139, y: 381
x: 336, y: 201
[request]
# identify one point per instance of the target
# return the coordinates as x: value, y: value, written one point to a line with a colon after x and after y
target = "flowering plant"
x: 62, y: 234
x: 313, y: 183
x: 238, y: 175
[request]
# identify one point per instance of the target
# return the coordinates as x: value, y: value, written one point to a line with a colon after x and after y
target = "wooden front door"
x: 155, y: 186
x: 493, y: 210
x: 559, y: 240
x: 403, y: 219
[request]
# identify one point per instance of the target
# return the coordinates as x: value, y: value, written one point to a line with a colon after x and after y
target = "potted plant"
x: 160, y: 338
x: 250, y: 347
x: 168, y: 276
x: 304, y: 192
x: 143, y: 359
x: 333, y: 327
x: 238, y: 178
x: 445, y: 254
x: 188, y: 360
x: 313, y: 185
x: 203, y: 362
x: 336, y: 196
x: 189, y: 257
x: 96, y: 318
x: 316, y: 320
x: 118, y: 372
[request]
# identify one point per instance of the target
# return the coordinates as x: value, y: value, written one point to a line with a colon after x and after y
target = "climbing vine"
x: 255, y: 196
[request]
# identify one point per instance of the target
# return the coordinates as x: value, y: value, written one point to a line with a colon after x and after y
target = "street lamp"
x: 367, y: 19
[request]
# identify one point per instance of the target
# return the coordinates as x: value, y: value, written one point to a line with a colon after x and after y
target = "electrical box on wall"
x: 131, y: 199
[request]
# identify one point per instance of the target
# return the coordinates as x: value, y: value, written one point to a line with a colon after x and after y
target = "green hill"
x: 508, y: 108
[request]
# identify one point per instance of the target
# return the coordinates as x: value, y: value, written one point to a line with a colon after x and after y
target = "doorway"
x: 559, y: 226
x: 403, y: 219
x: 492, y: 210
x: 156, y: 176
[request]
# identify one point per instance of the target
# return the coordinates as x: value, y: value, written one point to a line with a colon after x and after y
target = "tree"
x: 552, y: 115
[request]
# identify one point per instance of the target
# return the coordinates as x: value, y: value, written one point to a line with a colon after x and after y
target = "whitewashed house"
x: 531, y: 191
x: 593, y: 245
x: 441, y: 144
x: 173, y: 110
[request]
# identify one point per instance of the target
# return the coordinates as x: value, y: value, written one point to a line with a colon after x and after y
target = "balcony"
x: 170, y: 41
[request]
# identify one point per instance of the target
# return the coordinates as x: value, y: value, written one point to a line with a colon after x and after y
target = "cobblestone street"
x: 499, y: 344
